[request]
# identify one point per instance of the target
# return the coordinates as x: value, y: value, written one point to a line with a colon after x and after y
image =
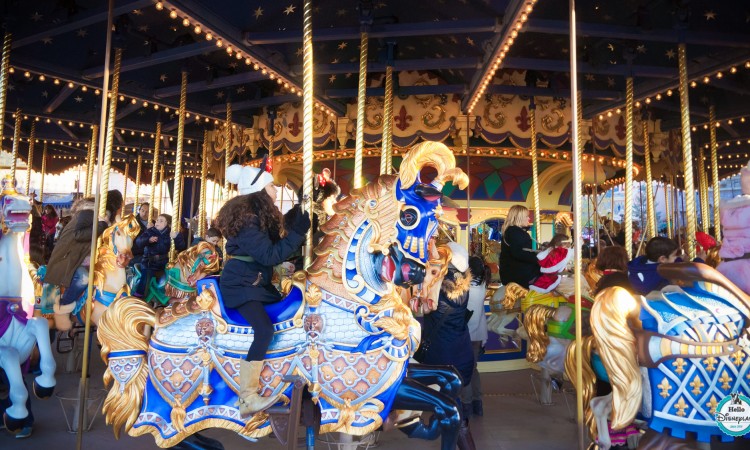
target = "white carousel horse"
x: 342, y: 328
x: 19, y: 331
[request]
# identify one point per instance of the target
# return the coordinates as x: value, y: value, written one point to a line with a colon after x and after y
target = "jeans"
x: 78, y: 285
x: 255, y: 314
x: 473, y: 391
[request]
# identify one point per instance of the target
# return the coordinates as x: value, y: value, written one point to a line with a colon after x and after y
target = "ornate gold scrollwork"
x: 423, y: 100
x: 427, y: 118
x: 601, y: 126
x: 553, y: 121
x: 496, y: 120
x: 374, y: 104
x: 320, y: 122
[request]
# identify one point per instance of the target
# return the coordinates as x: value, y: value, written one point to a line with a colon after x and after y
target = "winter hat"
x: 460, y: 258
x: 250, y: 179
x: 705, y: 241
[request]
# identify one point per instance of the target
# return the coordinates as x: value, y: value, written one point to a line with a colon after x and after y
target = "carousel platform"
x: 513, y: 419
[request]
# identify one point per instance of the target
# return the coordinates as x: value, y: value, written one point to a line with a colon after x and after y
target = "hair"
x: 146, y: 204
x: 239, y: 211
x: 478, y: 272
x: 518, y: 216
x: 114, y: 203
x: 213, y: 232
x: 660, y: 246
x: 612, y: 258
x: 557, y: 240
x: 168, y: 218
x: 54, y: 213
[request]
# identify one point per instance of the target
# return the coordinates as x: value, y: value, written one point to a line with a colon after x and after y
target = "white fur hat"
x: 460, y: 258
x: 248, y: 179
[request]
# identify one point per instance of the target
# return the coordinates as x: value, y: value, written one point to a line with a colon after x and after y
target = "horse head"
x: 114, y: 252
x: 196, y: 263
x: 15, y: 209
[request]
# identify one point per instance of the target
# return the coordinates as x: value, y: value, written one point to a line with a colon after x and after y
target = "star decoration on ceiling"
x: 36, y: 17
x: 341, y: 12
x: 163, y: 78
x: 11, y: 87
x: 335, y: 61
x: 380, y: 5
x: 348, y: 75
x: 299, y: 52
x: 590, y: 77
x: 241, y: 89
x: 258, y: 12
x: 143, y: 28
x: 78, y: 99
x: 610, y: 82
x: 47, y: 40
x: 289, y: 9
x: 611, y: 47
x: 220, y: 95
x: 342, y: 45
x: 45, y: 94
x: 232, y: 65
x: 81, y: 33
x: 670, y: 54
x: 332, y: 78
x: 709, y: 15
x: 142, y: 112
x: 137, y: 12
x: 641, y: 48
x: 453, y: 39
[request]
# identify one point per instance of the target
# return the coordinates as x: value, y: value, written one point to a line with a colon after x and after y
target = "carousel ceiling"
x: 250, y: 54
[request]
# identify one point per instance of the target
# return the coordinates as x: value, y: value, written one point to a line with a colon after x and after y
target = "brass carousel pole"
x: 715, y: 171
x: 361, y: 99
x: 204, y: 178
x: 668, y: 207
x: 387, y: 144
x: 100, y: 205
x: 535, y: 174
x: 161, y: 189
x: 138, y: 168
x: 177, y: 191
x: 154, y: 173
x: 703, y: 188
x: 125, y: 184
x: 91, y: 161
x: 687, y: 150
x: 228, y: 148
x: 16, y: 143
x: 650, y: 210
x: 44, y: 169
x: 4, y: 75
x: 577, y: 179
x: 628, y: 217
x: 30, y: 158
x: 307, y: 117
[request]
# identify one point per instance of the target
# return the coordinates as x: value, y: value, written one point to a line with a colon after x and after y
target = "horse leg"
x: 602, y: 408
x: 445, y: 421
x: 44, y: 384
x: 446, y: 377
x: 545, y: 396
x: 14, y: 416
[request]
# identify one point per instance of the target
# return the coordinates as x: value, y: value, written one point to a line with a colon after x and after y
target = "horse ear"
x: 428, y: 192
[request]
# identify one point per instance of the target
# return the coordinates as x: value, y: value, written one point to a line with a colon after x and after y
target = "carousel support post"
x: 668, y: 207
x: 138, y: 168
x: 154, y: 173
x: 204, y: 179
x: 100, y: 204
x: 44, y: 169
x: 467, y: 151
x: 715, y: 171
x: 30, y: 158
x: 4, y: 76
x: 650, y: 210
x: 16, y: 143
x: 387, y: 145
x: 161, y: 189
x: 577, y: 179
x: 687, y: 150
x: 107, y: 162
x: 703, y: 190
x: 91, y: 161
x: 125, y: 184
x: 365, y: 22
x: 628, y: 217
x: 177, y: 191
x: 307, y: 114
x: 535, y: 174
x: 228, y: 148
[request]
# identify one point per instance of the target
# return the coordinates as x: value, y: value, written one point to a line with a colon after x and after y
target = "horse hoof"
x: 42, y: 392
x: 11, y: 424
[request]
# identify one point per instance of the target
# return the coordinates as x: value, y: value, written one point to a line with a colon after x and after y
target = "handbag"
x: 421, y: 353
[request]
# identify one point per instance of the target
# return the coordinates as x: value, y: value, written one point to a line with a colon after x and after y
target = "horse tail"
x: 513, y: 292
x: 121, y: 329
x: 616, y: 345
x: 588, y: 386
x: 535, y: 321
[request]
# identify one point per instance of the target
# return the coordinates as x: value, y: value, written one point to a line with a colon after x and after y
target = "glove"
x: 301, y: 223
x: 291, y: 216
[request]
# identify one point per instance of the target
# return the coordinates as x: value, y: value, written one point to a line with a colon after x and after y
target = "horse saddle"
x: 281, y: 311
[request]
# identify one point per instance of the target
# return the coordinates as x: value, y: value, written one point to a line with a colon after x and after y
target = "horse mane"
x: 535, y: 321
x: 588, y: 389
x: 184, y: 261
x: 105, y: 258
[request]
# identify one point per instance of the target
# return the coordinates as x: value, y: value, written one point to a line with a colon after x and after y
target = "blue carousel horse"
x: 670, y: 358
x: 19, y: 330
x: 342, y: 327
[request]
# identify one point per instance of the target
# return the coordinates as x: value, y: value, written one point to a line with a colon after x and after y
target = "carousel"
x: 408, y: 132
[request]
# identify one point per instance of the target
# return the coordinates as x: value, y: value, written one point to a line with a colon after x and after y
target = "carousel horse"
x: 113, y: 255
x: 671, y: 358
x: 342, y: 328
x: 19, y: 331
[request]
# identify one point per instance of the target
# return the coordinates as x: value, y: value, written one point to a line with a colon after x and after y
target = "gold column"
x: 138, y: 168
x: 535, y: 174
x: 628, y: 220
x: 177, y: 191
x: 44, y: 169
x: 107, y: 162
x: 154, y: 172
x: 161, y: 189
x: 687, y: 152
x: 125, y: 184
x: 16, y: 143
x: 4, y: 76
x: 387, y: 144
x: 30, y: 158
x: 307, y: 117
x: 91, y: 161
x: 650, y: 211
x: 227, y: 158
x: 204, y: 178
x: 703, y: 190
x: 361, y: 98
x: 715, y: 171
x: 668, y: 207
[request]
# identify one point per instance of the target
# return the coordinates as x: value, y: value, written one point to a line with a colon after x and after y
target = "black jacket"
x: 517, y: 265
x: 156, y: 254
x: 138, y: 249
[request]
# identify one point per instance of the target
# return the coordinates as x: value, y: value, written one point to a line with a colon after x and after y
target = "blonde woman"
x: 518, y: 264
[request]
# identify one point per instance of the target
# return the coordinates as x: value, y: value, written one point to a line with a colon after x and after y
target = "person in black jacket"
x: 518, y: 263
x: 156, y: 243
x: 258, y: 237
x: 145, y: 225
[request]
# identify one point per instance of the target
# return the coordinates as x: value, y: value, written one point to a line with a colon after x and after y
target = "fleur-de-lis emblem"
x: 712, y: 404
x: 738, y: 357
x: 710, y: 363
x: 665, y: 388
x: 681, y: 406
x: 697, y: 385
x: 725, y: 381
x: 679, y: 365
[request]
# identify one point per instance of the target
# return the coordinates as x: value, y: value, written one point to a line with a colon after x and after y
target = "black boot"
x: 465, y: 439
x: 477, y: 408
x: 465, y: 411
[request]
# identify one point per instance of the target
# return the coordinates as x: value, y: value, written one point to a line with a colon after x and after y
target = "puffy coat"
x: 517, y: 265
x: 156, y: 254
